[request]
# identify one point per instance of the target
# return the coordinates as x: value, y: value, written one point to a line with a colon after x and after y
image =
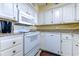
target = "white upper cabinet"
x: 77, y: 12
x: 41, y: 18
x: 28, y: 10
x: 6, y: 10
x: 48, y: 16
x: 57, y: 15
x: 23, y: 7
x: 2, y: 14
x: 69, y: 13
x: 15, y: 12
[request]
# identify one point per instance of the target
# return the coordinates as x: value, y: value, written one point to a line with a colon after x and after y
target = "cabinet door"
x: 66, y: 44
x: 57, y: 15
x: 1, y: 10
x: 77, y: 12
x: 66, y: 48
x: 42, y: 40
x: 23, y: 7
x: 41, y: 18
x: 68, y: 13
x: 52, y: 42
x: 30, y: 10
x: 36, y: 17
x: 75, y: 49
x: 49, y: 16
x: 8, y: 10
x: 15, y: 12
x: 27, y: 45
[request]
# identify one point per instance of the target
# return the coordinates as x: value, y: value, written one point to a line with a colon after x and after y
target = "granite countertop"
x: 8, y: 34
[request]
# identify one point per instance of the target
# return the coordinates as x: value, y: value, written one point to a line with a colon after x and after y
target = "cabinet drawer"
x: 10, y: 42
x: 19, y: 54
x: 12, y: 51
x: 75, y: 49
x: 66, y: 36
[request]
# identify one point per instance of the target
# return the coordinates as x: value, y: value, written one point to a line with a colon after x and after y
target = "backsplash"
x: 21, y: 28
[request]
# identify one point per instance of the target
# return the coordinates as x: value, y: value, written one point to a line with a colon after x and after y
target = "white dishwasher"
x: 31, y: 43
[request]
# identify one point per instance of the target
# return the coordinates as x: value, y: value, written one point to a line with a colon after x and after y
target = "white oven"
x: 31, y: 43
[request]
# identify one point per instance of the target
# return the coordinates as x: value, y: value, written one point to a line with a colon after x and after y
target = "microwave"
x: 6, y: 27
x: 24, y: 18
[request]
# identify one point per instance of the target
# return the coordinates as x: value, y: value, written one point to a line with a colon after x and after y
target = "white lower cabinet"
x: 66, y: 44
x: 11, y: 45
x: 66, y: 48
x: 12, y: 51
x: 76, y: 44
x: 51, y: 42
x: 75, y: 49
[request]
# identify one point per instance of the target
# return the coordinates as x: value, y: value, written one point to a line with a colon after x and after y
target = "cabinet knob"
x: 14, y: 42
x: 14, y: 51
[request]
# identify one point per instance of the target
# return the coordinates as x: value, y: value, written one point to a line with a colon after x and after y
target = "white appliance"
x: 24, y: 18
x: 31, y: 43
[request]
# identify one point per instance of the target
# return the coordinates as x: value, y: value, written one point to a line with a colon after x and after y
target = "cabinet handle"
x: 14, y: 42
x: 66, y: 37
x: 61, y: 52
x: 58, y: 51
x: 14, y: 51
x: 76, y: 45
x: 14, y: 17
x: 51, y: 35
x: 61, y: 41
x: 51, y: 21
